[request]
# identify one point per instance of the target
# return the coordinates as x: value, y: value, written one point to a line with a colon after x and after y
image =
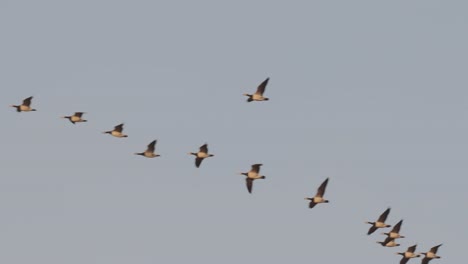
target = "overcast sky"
x: 372, y: 94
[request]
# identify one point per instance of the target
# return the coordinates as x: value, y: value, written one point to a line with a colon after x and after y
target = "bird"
x: 380, y: 223
x: 389, y: 242
x: 201, y: 154
x: 117, y: 132
x: 149, y: 152
x: 252, y: 175
x: 258, y: 95
x: 395, y: 233
x: 408, y: 254
x: 318, y: 198
x: 430, y: 255
x: 76, y: 118
x: 25, y: 106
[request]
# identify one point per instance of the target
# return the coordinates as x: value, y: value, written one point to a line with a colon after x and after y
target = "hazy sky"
x: 372, y: 94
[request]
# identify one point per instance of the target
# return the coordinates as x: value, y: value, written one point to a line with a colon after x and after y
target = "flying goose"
x: 389, y: 242
x: 395, y: 233
x: 252, y: 175
x: 380, y: 223
x: 408, y: 254
x: 201, y: 154
x: 149, y: 152
x: 117, y: 132
x: 76, y: 118
x: 25, y: 106
x: 430, y: 255
x: 258, y: 95
x: 318, y: 198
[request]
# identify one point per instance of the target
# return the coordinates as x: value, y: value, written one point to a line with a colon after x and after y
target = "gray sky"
x: 369, y: 93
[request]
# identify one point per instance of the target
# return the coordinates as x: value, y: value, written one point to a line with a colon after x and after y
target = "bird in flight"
x: 258, y: 95
x: 201, y: 155
x: 252, y: 175
x: 318, y: 198
x: 25, y: 106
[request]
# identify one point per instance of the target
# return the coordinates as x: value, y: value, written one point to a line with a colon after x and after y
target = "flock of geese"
x: 254, y: 174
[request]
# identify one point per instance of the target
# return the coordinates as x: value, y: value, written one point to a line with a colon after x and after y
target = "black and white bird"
x: 117, y: 132
x: 149, y: 152
x: 25, y: 106
x: 318, y: 198
x: 389, y: 242
x: 380, y: 223
x: 76, y: 118
x: 408, y: 254
x: 201, y: 155
x: 395, y: 233
x: 430, y: 255
x: 258, y: 95
x: 252, y: 175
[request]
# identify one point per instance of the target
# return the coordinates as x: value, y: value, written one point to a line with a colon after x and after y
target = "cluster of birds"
x: 394, y: 234
x: 254, y: 174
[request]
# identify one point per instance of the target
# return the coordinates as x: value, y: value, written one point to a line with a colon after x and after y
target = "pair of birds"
x: 428, y: 256
x: 394, y: 234
x: 257, y: 96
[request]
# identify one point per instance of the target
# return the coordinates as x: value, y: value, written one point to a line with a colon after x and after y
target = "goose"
x: 25, y: 106
x: 380, y: 223
x: 389, y: 242
x: 117, y: 132
x: 258, y: 95
x: 395, y: 233
x: 149, y: 152
x: 201, y: 154
x: 430, y: 255
x: 76, y: 118
x: 252, y: 175
x: 318, y: 198
x: 408, y: 254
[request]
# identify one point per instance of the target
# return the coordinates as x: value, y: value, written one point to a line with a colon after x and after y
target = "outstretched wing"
x: 256, y: 168
x: 321, y: 189
x: 425, y: 260
x: 151, y: 146
x: 404, y: 260
x: 27, y: 101
x: 412, y: 249
x: 434, y: 249
x: 204, y: 148
x: 396, y: 228
x: 79, y: 114
x: 262, y: 86
x: 198, y: 161
x: 371, y: 230
x: 384, y: 216
x: 119, y: 128
x: 312, y: 204
x: 249, y: 183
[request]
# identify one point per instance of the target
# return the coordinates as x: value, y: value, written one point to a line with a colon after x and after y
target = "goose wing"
x: 151, y: 146
x: 321, y: 189
x: 204, y: 148
x: 198, y: 161
x: 434, y: 249
x: 371, y: 229
x: 404, y: 260
x: 425, y: 260
x: 119, y: 128
x: 79, y: 114
x: 396, y: 228
x: 249, y: 183
x: 411, y: 249
x: 384, y: 216
x: 262, y: 86
x: 256, y: 168
x: 27, y: 101
x: 312, y: 204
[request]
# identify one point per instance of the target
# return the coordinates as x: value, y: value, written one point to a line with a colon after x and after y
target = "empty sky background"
x: 372, y: 94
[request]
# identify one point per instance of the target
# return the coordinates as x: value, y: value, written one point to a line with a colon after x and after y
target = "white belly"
x: 25, y: 108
